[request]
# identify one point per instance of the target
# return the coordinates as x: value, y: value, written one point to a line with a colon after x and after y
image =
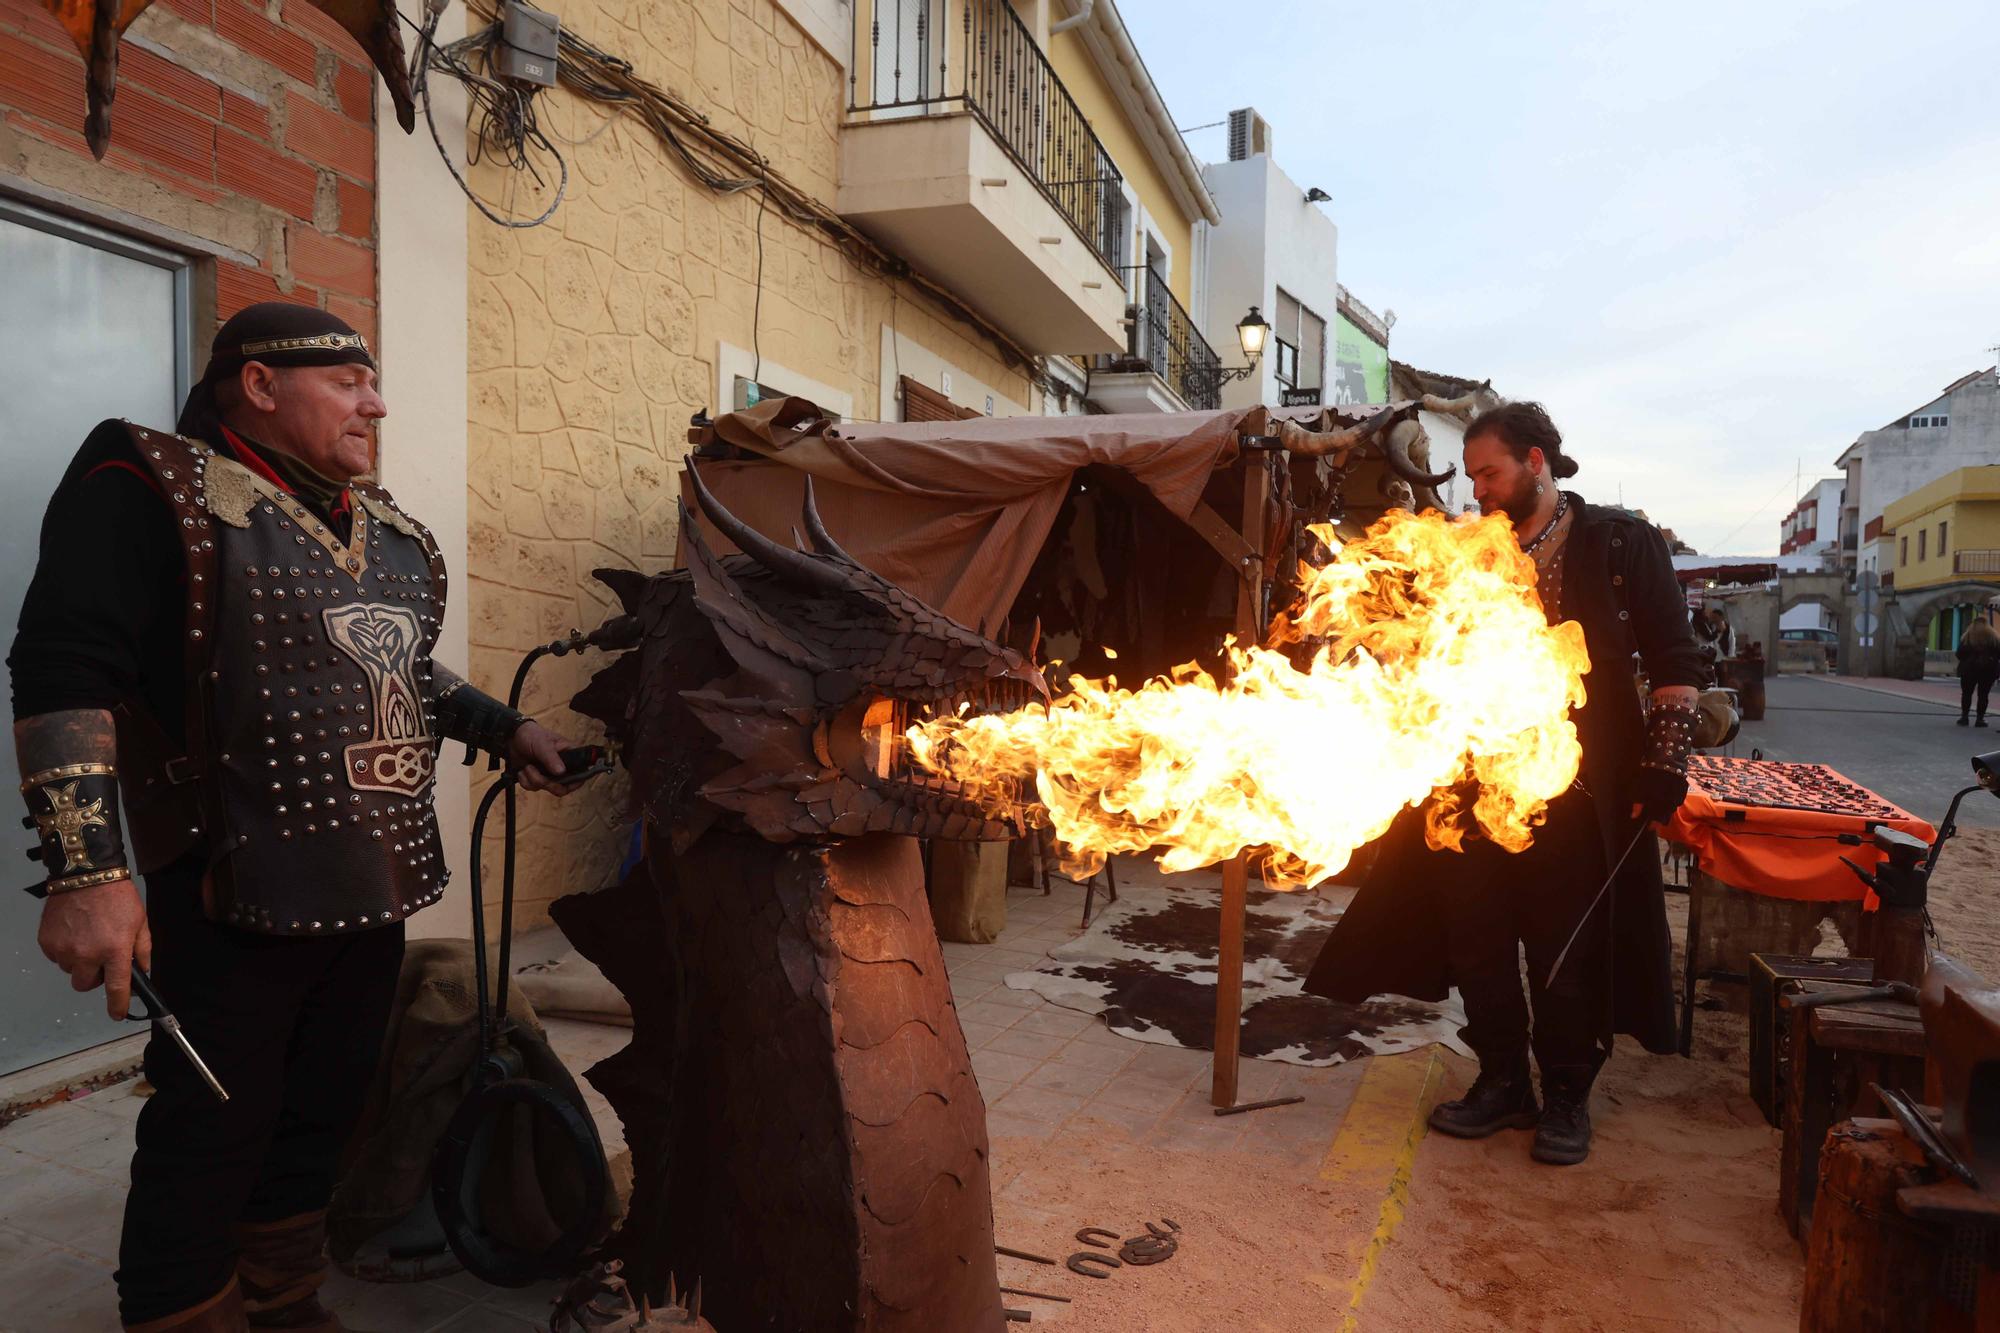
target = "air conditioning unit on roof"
x: 1249, y: 134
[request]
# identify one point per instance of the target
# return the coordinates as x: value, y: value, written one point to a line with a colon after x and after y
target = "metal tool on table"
x: 162, y: 1018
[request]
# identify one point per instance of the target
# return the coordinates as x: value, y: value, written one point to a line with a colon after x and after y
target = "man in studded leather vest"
x: 229, y: 634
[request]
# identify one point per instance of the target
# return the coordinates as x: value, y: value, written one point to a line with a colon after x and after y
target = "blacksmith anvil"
x: 1893, y: 934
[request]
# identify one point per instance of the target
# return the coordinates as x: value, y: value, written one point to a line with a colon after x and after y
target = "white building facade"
x: 1959, y: 428
x: 1813, y: 526
x: 1276, y: 250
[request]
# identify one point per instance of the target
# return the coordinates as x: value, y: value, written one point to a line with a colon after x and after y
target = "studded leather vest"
x: 310, y: 741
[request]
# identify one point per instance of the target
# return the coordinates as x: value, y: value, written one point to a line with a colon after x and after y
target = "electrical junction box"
x: 528, y: 42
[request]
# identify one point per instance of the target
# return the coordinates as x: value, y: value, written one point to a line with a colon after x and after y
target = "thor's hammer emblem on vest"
x: 383, y: 641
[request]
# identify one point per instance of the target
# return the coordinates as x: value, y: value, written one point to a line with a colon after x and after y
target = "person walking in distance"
x: 1978, y: 666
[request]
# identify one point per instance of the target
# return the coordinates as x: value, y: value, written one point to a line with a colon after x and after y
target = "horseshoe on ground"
x: 1082, y: 1261
x: 1142, y: 1250
x: 1088, y: 1234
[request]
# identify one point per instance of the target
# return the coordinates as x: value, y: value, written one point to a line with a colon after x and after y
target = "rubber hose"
x: 459, y: 1167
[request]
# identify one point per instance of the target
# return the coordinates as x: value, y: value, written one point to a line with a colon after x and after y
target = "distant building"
x: 1361, y: 352
x: 1813, y: 526
x: 1276, y: 249
x: 1947, y: 533
x: 1959, y: 428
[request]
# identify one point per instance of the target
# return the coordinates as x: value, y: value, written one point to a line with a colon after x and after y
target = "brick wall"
x: 250, y: 126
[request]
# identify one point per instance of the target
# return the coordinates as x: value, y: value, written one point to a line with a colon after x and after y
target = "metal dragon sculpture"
x: 808, y: 1138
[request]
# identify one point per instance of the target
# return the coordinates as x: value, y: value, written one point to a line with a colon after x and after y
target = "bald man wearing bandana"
x: 229, y: 634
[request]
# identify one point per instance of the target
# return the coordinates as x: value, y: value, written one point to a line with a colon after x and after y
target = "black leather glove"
x: 1662, y: 781
x: 1659, y: 792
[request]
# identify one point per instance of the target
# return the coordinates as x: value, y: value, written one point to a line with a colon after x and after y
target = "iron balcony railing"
x: 1164, y: 339
x: 929, y: 56
x: 1975, y: 562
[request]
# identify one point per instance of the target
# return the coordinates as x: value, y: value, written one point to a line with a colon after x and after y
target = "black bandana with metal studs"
x: 276, y: 333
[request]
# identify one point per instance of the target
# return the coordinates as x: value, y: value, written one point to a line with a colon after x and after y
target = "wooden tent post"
x: 1236, y: 871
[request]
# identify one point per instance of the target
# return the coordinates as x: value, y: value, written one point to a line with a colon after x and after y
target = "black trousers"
x: 1966, y: 686
x: 1501, y: 902
x: 292, y: 1028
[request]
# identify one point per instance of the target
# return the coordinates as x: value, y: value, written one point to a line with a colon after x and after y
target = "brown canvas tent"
x: 959, y: 512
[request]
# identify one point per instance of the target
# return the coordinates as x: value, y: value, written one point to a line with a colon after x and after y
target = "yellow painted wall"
x: 1967, y: 501
x: 1079, y: 73
x: 594, y: 338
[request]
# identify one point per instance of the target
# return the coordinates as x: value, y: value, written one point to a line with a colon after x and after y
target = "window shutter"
x: 923, y: 403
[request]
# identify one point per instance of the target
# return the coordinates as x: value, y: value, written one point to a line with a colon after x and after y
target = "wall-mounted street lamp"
x: 1251, y: 332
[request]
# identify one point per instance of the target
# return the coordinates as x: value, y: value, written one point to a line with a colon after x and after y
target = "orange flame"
x: 1433, y: 674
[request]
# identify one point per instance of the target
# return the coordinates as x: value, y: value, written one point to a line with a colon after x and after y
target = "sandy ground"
x: 1673, y: 1222
x: 1258, y: 1228
x: 1965, y: 900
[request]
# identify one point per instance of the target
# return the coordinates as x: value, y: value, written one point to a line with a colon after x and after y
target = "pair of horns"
x: 782, y: 560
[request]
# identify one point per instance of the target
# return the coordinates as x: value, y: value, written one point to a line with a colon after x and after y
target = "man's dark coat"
x: 1619, y: 583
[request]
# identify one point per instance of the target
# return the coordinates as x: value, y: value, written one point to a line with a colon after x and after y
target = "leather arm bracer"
x: 468, y: 714
x: 1669, y: 737
x: 75, y: 809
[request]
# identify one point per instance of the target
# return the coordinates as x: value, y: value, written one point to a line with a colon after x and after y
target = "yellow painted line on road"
x: 1375, y: 1151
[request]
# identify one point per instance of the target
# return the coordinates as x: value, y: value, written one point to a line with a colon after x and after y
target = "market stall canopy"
x: 956, y: 511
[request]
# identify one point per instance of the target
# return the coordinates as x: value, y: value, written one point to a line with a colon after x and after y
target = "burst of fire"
x: 1430, y: 672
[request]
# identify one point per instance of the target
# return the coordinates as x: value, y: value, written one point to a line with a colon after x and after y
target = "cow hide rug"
x: 1147, y: 964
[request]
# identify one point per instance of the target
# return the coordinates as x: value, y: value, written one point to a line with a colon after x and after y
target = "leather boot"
x: 1563, y: 1136
x: 281, y: 1265
x: 1502, y: 1097
x: 1964, y: 718
x: 220, y: 1313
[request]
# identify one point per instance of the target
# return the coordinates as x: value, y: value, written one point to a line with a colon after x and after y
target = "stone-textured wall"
x: 595, y: 337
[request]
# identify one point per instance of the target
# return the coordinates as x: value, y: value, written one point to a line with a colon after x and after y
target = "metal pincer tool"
x: 163, y: 1019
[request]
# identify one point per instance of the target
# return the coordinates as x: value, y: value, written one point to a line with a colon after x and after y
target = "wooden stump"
x: 1868, y: 1267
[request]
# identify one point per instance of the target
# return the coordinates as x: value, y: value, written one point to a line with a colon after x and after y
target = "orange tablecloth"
x: 1782, y: 852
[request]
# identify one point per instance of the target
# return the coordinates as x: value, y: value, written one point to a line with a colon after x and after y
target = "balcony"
x: 1976, y: 563
x: 964, y: 153
x: 1167, y: 366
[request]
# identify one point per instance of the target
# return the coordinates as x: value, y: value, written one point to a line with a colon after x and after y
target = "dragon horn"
x: 1396, y: 451
x: 780, y: 560
x: 822, y: 540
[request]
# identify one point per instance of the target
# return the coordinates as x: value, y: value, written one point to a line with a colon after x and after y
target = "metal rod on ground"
x: 1023, y: 1254
x: 1038, y: 1295
x: 1609, y: 880
x: 1229, y: 980
x: 1241, y: 1107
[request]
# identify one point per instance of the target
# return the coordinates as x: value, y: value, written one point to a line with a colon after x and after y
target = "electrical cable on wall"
x: 507, y: 125
x: 725, y: 164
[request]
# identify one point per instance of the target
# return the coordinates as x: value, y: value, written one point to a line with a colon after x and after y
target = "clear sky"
x: 1716, y: 240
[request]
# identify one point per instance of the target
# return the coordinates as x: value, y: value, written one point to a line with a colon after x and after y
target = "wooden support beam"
x: 1236, y: 871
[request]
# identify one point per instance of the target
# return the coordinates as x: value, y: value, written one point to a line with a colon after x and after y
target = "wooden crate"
x: 1770, y: 1058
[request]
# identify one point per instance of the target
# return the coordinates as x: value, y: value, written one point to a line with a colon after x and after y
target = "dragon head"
x: 777, y: 685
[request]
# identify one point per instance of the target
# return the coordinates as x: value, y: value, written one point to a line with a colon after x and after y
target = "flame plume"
x: 1431, y: 673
